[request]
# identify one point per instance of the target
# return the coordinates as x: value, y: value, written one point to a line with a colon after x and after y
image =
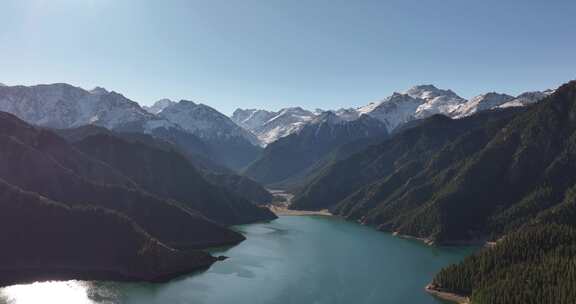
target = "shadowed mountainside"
x: 45, y: 239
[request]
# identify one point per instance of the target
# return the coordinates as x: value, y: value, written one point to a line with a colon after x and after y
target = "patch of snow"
x: 205, y: 122
x: 480, y: 103
x: 64, y: 106
x: 159, y: 106
x: 527, y: 98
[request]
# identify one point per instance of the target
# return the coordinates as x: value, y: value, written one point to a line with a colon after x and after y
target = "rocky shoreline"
x: 445, y: 295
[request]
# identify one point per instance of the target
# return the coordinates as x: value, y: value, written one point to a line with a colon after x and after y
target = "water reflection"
x: 69, y: 292
x: 291, y: 260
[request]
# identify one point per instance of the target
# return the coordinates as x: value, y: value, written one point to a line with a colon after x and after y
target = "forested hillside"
x: 535, y: 264
x: 460, y: 180
x: 505, y: 176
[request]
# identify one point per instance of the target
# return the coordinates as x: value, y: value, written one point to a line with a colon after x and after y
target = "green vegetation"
x: 449, y: 180
x: 536, y: 264
x: 507, y: 175
x: 291, y: 158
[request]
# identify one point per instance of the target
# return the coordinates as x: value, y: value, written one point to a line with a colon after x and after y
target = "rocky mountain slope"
x: 219, y: 131
x: 271, y: 126
x: 294, y: 154
x: 480, y: 103
x: 251, y: 119
x: 64, y: 106
x: 159, y: 106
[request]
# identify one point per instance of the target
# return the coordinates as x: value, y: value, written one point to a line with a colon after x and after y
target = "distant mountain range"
x: 301, y: 143
x: 199, y: 129
x: 65, y: 106
x: 416, y: 103
x: 216, y: 143
x: 161, y: 183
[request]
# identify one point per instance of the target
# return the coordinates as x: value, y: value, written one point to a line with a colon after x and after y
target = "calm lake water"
x: 295, y: 259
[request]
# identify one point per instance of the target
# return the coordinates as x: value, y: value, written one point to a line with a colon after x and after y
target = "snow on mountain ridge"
x: 252, y: 118
x: 205, y: 121
x: 269, y: 126
x: 417, y: 102
x: 394, y: 110
x: 438, y: 101
x: 99, y: 91
x: 158, y: 106
x: 527, y: 98
x: 480, y: 103
x: 429, y: 92
x: 62, y: 105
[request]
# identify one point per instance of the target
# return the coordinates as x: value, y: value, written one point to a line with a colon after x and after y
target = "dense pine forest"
x: 535, y: 262
x: 533, y: 265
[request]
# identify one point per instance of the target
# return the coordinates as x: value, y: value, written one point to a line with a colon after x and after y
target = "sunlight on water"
x: 292, y: 260
x: 69, y: 292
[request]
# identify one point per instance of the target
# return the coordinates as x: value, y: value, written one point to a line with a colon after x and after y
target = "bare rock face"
x: 295, y: 154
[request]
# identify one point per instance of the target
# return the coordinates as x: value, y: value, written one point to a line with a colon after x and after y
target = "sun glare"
x: 69, y: 292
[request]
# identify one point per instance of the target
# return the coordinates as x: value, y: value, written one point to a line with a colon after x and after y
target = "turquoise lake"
x: 294, y: 259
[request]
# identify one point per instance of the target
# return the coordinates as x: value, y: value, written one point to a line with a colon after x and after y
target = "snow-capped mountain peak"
x: 526, y: 99
x: 251, y: 118
x: 437, y: 101
x: 480, y: 103
x: 62, y: 105
x: 158, y: 106
x: 328, y: 117
x: 394, y: 110
x: 205, y: 121
x: 270, y: 126
x: 429, y: 92
x: 99, y: 91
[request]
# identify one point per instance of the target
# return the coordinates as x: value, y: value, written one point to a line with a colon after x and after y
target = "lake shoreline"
x: 448, y: 296
x: 286, y: 248
x: 29, y: 275
x: 283, y: 200
x: 281, y: 205
x: 478, y: 243
x: 283, y: 210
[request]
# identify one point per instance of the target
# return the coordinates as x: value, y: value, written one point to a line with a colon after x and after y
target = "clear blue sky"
x: 272, y: 54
